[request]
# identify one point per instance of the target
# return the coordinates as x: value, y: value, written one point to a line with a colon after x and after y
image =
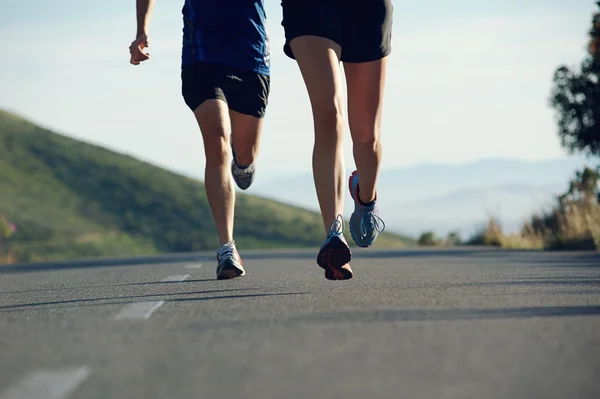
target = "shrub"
x: 428, y: 238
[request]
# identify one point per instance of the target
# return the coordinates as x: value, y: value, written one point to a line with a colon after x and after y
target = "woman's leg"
x: 318, y: 59
x: 365, y: 83
x: 365, y: 63
x: 314, y: 39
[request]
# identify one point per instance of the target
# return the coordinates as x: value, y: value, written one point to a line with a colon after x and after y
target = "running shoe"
x: 229, y: 263
x: 365, y: 223
x: 243, y: 176
x: 335, y: 255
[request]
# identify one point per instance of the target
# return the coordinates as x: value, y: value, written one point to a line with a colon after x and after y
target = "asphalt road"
x: 411, y: 324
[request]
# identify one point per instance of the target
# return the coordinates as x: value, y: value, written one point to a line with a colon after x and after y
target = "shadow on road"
x: 119, y: 300
x: 94, y: 286
x: 395, y: 316
x: 549, y: 281
x: 452, y: 314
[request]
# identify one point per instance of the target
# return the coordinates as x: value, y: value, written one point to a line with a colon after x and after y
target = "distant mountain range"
x: 442, y: 198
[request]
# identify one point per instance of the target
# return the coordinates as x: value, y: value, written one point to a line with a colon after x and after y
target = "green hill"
x: 71, y: 199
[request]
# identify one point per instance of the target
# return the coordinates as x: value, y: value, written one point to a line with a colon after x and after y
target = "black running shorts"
x: 362, y: 28
x: 244, y: 91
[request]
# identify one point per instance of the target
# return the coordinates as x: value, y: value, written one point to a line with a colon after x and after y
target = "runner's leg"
x: 365, y: 64
x: 213, y: 119
x: 318, y: 59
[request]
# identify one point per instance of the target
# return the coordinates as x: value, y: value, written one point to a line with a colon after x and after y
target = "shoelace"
x: 240, y: 171
x: 226, y: 251
x: 243, y: 171
x: 337, y: 227
x: 368, y: 221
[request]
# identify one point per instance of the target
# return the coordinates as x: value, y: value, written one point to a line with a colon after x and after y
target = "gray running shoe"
x: 229, y: 262
x: 365, y: 223
x: 243, y: 176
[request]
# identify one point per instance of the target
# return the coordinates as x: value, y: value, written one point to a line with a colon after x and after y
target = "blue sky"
x: 467, y: 80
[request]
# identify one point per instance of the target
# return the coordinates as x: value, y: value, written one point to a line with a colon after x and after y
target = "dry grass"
x: 8, y: 258
x: 578, y: 228
x: 575, y: 228
x: 519, y: 241
x: 491, y: 234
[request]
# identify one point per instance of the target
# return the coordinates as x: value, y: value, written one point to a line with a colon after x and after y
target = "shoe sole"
x: 230, y: 271
x: 333, y: 257
x: 238, y: 181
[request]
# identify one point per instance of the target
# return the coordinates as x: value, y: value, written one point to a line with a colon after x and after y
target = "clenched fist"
x: 137, y: 50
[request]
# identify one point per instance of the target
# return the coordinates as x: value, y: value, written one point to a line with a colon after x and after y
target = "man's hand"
x: 137, y: 50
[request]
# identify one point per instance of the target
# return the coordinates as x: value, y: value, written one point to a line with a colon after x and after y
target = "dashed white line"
x: 48, y: 384
x: 143, y: 310
x: 176, y: 278
x: 138, y: 310
x: 193, y: 266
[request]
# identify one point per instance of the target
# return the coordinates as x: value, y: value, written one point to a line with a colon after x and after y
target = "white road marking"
x: 176, y: 278
x: 48, y: 384
x: 193, y: 266
x: 138, y: 310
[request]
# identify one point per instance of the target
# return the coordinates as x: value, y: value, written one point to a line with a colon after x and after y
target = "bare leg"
x: 318, y: 59
x: 245, y: 136
x: 365, y: 82
x: 214, y: 123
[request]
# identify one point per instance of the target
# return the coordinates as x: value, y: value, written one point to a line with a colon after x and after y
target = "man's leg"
x: 318, y: 59
x: 245, y: 137
x: 248, y: 98
x: 213, y: 119
x: 202, y: 90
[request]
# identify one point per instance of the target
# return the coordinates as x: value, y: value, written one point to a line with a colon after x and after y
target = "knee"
x: 216, y: 147
x: 212, y: 119
x: 329, y: 122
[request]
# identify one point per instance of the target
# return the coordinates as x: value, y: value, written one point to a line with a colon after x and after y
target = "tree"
x: 576, y: 99
x: 583, y: 188
x: 595, y: 37
x: 428, y: 238
x: 453, y: 238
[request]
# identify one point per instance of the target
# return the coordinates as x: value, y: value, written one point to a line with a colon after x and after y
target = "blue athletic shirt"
x: 227, y: 32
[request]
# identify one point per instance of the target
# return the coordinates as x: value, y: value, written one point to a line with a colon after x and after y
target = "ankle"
x: 243, y: 162
x: 366, y: 203
x: 366, y: 200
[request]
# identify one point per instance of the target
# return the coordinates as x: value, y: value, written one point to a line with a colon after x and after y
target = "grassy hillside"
x: 70, y: 199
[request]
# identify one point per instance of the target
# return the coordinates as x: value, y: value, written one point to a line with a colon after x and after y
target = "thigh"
x: 245, y: 129
x: 321, y: 18
x: 319, y: 59
x: 204, y: 93
x: 213, y: 118
x: 367, y: 31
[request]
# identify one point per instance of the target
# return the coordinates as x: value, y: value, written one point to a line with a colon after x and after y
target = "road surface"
x: 464, y: 323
